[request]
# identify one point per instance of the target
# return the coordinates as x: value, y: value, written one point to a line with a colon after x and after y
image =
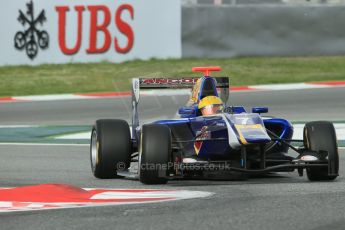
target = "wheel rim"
x: 94, y: 150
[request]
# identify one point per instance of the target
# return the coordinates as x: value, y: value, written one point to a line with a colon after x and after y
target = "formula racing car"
x: 229, y: 139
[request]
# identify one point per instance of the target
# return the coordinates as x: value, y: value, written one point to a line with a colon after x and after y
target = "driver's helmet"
x: 210, y: 105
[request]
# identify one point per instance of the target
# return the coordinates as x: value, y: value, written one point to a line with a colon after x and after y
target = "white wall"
x: 222, y: 32
x: 156, y: 27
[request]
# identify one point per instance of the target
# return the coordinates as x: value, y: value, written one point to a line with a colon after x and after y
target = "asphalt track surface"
x: 297, y: 105
x: 277, y: 201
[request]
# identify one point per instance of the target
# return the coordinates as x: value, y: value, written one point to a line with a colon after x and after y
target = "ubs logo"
x: 31, y: 38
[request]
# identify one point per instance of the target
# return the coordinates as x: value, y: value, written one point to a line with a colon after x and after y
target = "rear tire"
x: 110, y: 148
x: 154, y: 154
x: 320, y: 135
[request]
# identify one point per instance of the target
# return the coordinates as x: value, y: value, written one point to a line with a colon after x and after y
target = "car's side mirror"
x: 260, y: 110
x: 186, y: 112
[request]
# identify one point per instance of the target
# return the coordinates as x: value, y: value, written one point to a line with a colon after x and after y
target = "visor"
x: 212, y: 109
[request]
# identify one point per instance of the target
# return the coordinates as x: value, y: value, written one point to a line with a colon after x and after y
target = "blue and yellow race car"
x: 209, y: 138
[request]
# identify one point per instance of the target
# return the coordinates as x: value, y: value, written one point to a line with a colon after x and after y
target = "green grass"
x: 108, y: 77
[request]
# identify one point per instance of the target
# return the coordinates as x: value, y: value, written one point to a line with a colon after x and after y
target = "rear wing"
x: 222, y: 85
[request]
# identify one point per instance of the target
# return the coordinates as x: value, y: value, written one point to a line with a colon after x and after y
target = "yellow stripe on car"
x: 239, y: 130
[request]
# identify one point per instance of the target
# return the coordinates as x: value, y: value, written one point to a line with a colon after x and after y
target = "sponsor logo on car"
x: 172, y: 81
x: 203, y: 134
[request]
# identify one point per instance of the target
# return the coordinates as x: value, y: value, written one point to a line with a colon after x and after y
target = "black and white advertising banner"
x: 67, y: 31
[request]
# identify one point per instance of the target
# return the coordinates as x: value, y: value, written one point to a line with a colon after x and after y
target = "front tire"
x: 320, y: 135
x: 110, y: 148
x: 155, y: 153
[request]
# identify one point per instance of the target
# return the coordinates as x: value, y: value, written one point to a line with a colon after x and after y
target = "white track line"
x: 110, y: 197
x: 42, y: 144
x: 292, y: 86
